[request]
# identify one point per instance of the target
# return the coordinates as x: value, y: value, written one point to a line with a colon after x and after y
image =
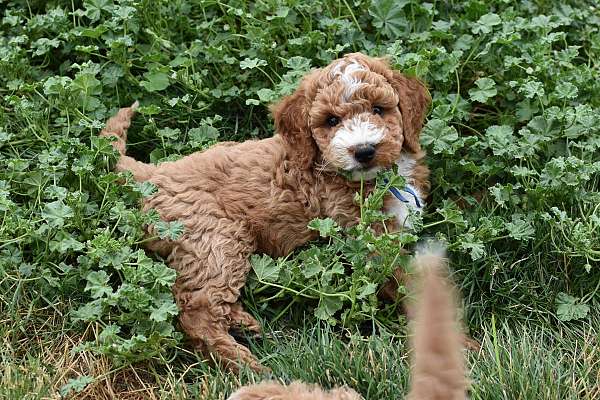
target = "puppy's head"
x: 356, y: 116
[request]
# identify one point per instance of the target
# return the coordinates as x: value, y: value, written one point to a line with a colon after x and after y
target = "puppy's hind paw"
x: 242, y: 320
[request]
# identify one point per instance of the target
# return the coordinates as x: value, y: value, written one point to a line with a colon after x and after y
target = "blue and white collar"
x: 408, y: 189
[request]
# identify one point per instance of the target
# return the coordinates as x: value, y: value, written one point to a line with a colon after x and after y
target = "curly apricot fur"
x: 259, y: 195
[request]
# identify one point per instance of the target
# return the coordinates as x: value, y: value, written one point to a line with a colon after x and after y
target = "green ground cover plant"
x: 513, y: 142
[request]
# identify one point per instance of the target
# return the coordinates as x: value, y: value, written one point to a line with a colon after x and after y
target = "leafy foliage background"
x: 513, y: 142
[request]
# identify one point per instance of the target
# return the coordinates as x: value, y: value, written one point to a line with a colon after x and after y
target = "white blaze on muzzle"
x: 353, y: 133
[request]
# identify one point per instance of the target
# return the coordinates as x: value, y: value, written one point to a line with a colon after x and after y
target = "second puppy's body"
x: 356, y: 116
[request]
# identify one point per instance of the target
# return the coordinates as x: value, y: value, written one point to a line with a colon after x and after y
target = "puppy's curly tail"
x: 117, y: 126
x: 438, y: 371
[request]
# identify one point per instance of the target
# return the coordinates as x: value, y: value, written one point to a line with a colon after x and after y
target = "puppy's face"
x: 355, y: 116
x: 355, y: 119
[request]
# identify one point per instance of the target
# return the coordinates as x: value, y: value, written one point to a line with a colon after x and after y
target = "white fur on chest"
x: 403, y: 210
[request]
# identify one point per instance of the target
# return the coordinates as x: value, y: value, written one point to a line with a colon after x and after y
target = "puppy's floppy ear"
x: 414, y: 100
x: 292, y: 123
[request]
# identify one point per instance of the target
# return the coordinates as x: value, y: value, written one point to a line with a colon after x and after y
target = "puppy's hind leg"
x: 211, y: 271
x: 117, y: 127
x: 203, y: 319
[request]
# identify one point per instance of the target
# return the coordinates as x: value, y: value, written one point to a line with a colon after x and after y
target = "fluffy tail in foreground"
x: 438, y: 371
x: 117, y: 127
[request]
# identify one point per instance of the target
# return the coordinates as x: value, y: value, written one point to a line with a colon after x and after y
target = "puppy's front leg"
x: 389, y: 290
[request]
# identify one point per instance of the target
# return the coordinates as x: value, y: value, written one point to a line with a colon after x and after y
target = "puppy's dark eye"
x: 378, y: 110
x: 332, y: 120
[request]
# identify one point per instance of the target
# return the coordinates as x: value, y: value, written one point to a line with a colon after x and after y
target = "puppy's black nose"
x: 364, y: 153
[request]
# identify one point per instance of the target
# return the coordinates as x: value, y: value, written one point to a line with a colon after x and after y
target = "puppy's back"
x: 438, y: 371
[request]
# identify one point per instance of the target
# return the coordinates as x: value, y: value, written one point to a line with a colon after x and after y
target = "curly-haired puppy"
x: 344, y: 123
x: 438, y: 371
